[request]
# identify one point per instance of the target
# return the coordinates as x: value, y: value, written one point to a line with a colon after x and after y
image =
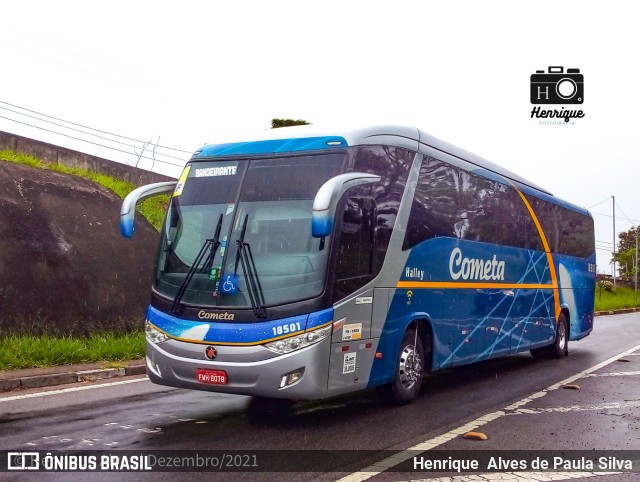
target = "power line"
x: 630, y: 220
x: 90, y: 142
x: 601, y: 202
x: 617, y: 217
x: 81, y: 131
x: 49, y: 59
x: 68, y: 49
x: 87, y: 127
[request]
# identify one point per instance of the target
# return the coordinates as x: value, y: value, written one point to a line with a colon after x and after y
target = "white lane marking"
x: 519, y: 476
x: 614, y: 374
x: 404, y: 455
x: 72, y: 389
x: 578, y: 408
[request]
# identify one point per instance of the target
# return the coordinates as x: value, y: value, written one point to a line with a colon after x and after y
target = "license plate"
x: 214, y: 377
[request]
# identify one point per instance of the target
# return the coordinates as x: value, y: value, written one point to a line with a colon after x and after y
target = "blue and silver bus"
x: 308, y: 263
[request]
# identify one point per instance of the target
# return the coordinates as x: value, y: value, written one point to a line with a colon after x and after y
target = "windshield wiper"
x: 254, y: 288
x: 213, y: 244
x: 216, y: 244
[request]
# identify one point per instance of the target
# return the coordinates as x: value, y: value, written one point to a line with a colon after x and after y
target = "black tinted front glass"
x: 289, y: 178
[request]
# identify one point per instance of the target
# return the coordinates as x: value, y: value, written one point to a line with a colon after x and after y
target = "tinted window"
x: 456, y: 203
x: 567, y: 231
x: 392, y: 164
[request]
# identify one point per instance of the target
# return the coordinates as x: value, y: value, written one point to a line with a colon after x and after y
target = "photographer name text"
x: 452, y: 464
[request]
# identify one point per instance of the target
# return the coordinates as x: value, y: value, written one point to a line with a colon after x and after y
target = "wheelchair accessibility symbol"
x: 230, y: 284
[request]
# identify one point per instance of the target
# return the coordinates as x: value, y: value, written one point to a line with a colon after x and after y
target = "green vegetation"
x: 28, y: 351
x: 607, y: 300
x: 276, y: 123
x: 152, y: 209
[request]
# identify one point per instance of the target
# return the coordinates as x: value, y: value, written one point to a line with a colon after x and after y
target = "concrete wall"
x: 53, y: 154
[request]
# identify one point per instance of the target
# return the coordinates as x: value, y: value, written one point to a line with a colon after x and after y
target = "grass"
x: 153, y: 209
x: 616, y: 299
x: 28, y: 351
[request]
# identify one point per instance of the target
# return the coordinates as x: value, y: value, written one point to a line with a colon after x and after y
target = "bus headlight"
x: 287, y: 345
x: 153, y: 334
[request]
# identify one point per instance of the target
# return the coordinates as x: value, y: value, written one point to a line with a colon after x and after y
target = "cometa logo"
x: 475, y: 269
x: 204, y: 315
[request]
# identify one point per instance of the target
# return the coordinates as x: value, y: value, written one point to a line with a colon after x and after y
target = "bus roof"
x: 308, y: 137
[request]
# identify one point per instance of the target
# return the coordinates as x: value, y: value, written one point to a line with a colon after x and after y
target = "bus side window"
x: 455, y: 203
x: 356, y: 263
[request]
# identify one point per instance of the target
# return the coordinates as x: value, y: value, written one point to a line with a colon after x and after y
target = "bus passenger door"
x: 352, y: 350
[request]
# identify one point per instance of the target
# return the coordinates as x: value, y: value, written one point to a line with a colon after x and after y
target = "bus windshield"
x: 241, y: 229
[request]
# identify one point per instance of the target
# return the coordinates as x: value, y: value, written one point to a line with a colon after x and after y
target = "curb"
x: 52, y: 379
x: 616, y: 312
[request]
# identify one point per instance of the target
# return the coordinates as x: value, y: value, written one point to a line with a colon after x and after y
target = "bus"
x: 308, y: 263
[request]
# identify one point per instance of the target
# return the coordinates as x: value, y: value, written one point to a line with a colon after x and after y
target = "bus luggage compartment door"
x: 352, y: 349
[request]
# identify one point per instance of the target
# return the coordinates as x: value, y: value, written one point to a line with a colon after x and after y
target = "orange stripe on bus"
x: 473, y: 285
x: 545, y: 244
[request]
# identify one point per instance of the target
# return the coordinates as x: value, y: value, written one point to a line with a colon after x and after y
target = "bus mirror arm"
x: 128, y: 209
x: 327, y: 197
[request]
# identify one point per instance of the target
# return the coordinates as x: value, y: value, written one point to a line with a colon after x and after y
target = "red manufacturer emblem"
x: 211, y: 353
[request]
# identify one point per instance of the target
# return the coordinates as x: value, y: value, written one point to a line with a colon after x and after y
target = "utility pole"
x: 614, y: 241
x: 636, y: 277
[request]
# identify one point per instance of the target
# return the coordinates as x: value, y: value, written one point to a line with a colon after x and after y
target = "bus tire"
x: 409, y: 372
x: 560, y: 346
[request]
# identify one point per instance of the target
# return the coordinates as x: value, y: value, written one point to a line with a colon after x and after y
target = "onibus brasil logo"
x: 557, y: 87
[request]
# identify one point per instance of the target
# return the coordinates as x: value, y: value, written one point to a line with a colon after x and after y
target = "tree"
x: 145, y: 147
x: 626, y: 254
x: 275, y: 123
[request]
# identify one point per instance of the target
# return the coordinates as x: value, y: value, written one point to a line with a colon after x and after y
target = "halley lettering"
x: 564, y: 114
x: 475, y: 269
x: 414, y: 273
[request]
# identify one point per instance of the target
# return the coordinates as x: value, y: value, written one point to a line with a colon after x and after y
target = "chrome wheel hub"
x: 562, y: 335
x: 410, y: 367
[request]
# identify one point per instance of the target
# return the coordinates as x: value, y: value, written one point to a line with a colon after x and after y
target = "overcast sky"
x: 192, y: 72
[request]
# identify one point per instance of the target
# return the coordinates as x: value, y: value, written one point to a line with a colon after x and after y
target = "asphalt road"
x: 518, y: 403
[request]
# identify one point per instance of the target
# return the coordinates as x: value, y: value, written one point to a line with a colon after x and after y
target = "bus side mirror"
x: 128, y: 209
x: 327, y: 197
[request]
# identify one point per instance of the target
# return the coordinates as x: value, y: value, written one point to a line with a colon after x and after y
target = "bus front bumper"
x: 266, y: 377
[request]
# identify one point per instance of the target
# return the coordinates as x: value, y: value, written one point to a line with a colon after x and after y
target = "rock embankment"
x: 64, y: 267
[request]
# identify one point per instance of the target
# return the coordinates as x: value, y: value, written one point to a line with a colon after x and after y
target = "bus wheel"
x: 560, y: 346
x: 407, y: 381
